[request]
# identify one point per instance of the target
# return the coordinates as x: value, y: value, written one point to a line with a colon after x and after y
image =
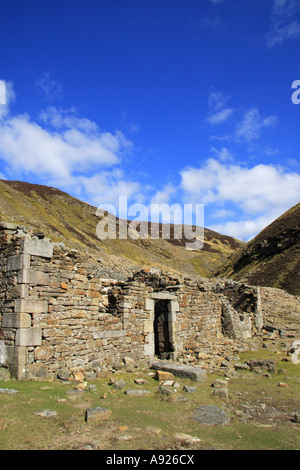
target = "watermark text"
x: 156, y: 221
x: 296, y: 94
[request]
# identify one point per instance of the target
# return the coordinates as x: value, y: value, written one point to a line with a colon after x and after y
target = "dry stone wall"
x: 59, y: 313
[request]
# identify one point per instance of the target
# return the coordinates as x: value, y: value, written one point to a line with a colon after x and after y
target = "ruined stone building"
x: 58, y: 310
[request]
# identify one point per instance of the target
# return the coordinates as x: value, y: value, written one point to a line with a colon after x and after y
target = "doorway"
x: 162, y: 341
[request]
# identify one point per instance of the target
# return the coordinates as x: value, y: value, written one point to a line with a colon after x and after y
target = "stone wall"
x: 58, y: 312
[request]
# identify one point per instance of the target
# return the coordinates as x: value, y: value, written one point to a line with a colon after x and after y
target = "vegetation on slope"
x: 64, y: 218
x: 272, y: 258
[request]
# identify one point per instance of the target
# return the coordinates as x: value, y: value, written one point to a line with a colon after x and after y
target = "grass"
x: 268, y: 426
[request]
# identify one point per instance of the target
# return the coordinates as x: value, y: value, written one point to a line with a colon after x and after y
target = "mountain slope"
x: 66, y: 219
x: 272, y: 258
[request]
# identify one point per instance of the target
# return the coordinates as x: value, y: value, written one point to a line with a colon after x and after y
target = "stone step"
x: 197, y: 374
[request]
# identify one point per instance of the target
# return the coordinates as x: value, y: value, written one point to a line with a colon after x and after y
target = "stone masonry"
x: 58, y: 312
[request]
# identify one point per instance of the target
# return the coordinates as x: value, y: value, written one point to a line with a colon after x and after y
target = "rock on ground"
x: 210, y: 415
x: 97, y: 414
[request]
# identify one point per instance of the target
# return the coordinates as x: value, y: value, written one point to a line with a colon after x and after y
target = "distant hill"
x: 272, y: 258
x: 66, y: 219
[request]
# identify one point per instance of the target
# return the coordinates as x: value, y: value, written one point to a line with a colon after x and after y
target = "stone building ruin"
x: 59, y: 310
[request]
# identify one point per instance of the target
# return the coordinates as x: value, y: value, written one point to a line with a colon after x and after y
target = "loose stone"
x: 210, y: 415
x: 97, y: 414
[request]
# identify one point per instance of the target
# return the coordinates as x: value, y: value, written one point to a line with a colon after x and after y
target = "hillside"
x: 66, y: 219
x: 272, y: 258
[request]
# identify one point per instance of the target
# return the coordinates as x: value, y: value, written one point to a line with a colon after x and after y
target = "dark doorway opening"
x: 162, y: 343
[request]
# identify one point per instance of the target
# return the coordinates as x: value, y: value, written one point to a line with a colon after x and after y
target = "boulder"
x: 186, y: 439
x: 163, y: 375
x: 46, y: 413
x: 262, y: 365
x: 210, y: 415
x: 97, y: 414
x: 197, y: 374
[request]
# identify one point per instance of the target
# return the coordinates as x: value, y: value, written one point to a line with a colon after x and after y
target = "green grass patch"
x: 260, y: 413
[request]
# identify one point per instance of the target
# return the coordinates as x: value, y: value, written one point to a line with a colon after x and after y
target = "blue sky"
x: 162, y: 101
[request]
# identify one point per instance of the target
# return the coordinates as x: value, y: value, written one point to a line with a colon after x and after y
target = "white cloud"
x: 250, y: 127
x: 222, y: 154
x: 105, y: 187
x: 75, y: 145
x: 260, y: 193
x: 283, y: 24
x: 219, y: 111
x: 243, y: 229
x: 222, y: 213
x: 163, y: 196
x: 220, y: 116
x: 246, y: 126
x: 65, y: 151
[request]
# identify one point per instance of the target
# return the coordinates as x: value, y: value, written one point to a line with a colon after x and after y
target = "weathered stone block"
x: 31, y: 306
x: 18, y: 262
x: 8, y: 225
x: 43, y: 353
x: 29, y: 337
x: 210, y: 415
x: 21, y: 290
x: 196, y: 374
x: 16, y: 320
x: 148, y: 326
x: 163, y: 296
x: 16, y: 355
x: 163, y: 375
x: 221, y: 392
x: 149, y: 304
x: 64, y: 373
x: 149, y: 349
x: 36, y: 371
x: 37, y: 247
x: 33, y: 277
x: 174, y: 306
x: 18, y: 372
x: 97, y: 414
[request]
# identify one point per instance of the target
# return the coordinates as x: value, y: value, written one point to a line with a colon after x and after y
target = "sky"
x: 161, y: 101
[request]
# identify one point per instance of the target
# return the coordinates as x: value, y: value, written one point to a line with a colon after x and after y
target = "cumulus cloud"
x: 66, y: 151
x: 106, y: 187
x: 68, y: 144
x: 260, y: 194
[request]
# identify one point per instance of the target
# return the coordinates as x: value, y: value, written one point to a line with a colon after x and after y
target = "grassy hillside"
x: 66, y: 219
x: 272, y: 258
